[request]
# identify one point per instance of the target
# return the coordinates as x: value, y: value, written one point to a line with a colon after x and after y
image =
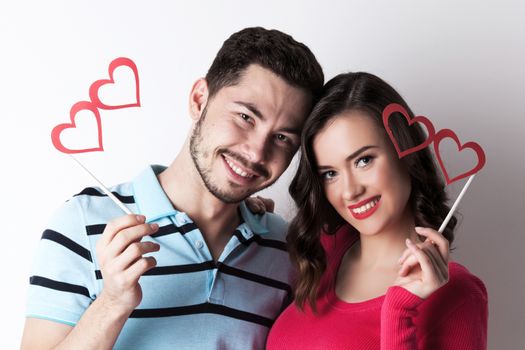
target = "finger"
x: 254, y: 204
x: 138, y: 268
x: 128, y: 236
x: 427, y: 267
x: 407, y: 252
x: 437, y: 261
x: 438, y: 258
x: 269, y: 204
x: 404, y: 256
x: 437, y: 238
x: 133, y: 253
x: 440, y: 262
x: 118, y: 224
x: 409, y: 263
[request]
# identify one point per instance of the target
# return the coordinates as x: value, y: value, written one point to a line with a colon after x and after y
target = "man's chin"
x: 230, y: 197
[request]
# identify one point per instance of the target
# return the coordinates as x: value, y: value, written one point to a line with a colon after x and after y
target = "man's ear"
x: 198, y: 98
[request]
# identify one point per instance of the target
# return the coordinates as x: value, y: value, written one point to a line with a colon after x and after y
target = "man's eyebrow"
x: 252, y: 108
x: 351, y: 156
x: 293, y: 131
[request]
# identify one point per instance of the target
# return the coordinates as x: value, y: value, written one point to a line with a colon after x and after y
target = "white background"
x: 458, y: 63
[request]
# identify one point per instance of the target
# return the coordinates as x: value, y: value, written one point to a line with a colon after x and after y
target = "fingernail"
x: 140, y: 218
x: 419, y: 228
x: 154, y: 226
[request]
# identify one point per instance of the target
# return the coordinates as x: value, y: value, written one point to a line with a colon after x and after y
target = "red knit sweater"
x: 453, y: 317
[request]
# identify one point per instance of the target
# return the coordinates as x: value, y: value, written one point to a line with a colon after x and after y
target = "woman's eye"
x: 363, y: 161
x: 328, y: 175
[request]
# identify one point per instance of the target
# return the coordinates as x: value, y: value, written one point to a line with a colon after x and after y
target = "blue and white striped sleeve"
x: 62, y: 283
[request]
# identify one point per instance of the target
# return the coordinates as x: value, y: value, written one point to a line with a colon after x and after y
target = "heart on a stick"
x: 109, y: 87
x: 72, y: 127
x: 447, y: 133
x: 393, y: 108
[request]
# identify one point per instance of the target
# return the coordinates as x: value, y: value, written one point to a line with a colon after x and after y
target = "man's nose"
x: 255, y: 148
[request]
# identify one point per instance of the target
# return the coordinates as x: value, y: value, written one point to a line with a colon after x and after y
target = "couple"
x: 215, y: 275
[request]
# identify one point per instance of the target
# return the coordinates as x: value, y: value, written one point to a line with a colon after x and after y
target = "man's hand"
x: 120, y: 256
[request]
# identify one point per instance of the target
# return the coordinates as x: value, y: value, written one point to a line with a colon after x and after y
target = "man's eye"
x: 281, y: 137
x: 246, y: 117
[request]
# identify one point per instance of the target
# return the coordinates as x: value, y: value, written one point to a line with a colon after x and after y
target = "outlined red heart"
x: 442, y: 134
x: 94, y: 88
x: 57, y: 130
x: 393, y: 108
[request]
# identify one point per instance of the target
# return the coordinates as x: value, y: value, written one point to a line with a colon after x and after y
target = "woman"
x: 370, y: 276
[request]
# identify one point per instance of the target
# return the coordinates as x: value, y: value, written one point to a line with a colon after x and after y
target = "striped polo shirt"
x: 189, y: 300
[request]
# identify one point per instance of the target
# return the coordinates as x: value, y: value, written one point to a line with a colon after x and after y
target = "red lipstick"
x: 366, y: 213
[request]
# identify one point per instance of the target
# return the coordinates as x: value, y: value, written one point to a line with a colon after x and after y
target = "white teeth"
x: 365, y: 207
x: 237, y: 170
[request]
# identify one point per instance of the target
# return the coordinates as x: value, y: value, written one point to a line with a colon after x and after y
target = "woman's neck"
x: 384, y: 248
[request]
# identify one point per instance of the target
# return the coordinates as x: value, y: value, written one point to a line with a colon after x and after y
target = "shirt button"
x: 199, y: 244
x: 182, y: 218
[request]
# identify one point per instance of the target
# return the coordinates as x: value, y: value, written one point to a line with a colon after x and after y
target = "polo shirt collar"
x: 153, y: 203
x: 149, y: 196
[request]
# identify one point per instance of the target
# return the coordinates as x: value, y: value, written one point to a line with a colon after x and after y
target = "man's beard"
x: 199, y: 157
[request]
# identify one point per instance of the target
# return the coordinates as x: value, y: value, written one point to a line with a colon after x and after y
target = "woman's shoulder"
x: 338, y: 241
x: 461, y: 280
x: 462, y: 301
x: 462, y: 286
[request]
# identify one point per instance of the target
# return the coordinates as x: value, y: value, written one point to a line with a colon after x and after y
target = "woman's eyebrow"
x: 351, y: 156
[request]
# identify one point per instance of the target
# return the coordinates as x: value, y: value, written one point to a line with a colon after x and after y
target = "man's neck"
x: 184, y: 187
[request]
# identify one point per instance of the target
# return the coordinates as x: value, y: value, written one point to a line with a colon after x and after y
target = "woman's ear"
x: 198, y: 98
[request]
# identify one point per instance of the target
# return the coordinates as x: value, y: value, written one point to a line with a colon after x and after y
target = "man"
x: 212, y: 274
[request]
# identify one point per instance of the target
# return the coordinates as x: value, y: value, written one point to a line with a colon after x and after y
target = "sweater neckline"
x: 331, y: 296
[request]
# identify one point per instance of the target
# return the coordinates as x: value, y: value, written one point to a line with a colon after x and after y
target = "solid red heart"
x: 393, y: 108
x: 79, y: 106
x: 472, y: 145
x: 94, y: 88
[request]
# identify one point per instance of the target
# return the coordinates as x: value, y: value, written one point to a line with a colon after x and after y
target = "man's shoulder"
x: 92, y: 206
x: 276, y: 225
x: 96, y: 195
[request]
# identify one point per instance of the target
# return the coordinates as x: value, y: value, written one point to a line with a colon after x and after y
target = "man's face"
x: 248, y: 133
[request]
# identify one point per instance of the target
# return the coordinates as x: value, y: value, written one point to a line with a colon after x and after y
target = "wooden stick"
x: 455, y: 205
x: 104, y: 188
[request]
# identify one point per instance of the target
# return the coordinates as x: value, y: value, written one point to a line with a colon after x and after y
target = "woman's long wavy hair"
x: 370, y: 94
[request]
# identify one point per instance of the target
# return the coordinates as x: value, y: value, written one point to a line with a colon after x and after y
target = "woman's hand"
x: 424, y: 266
x: 260, y: 205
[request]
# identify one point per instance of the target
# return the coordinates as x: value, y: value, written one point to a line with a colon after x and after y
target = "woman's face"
x: 362, y: 175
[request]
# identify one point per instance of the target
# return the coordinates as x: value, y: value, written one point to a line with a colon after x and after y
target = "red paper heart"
x: 79, y: 106
x: 394, y: 107
x: 472, y: 145
x: 94, y: 88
